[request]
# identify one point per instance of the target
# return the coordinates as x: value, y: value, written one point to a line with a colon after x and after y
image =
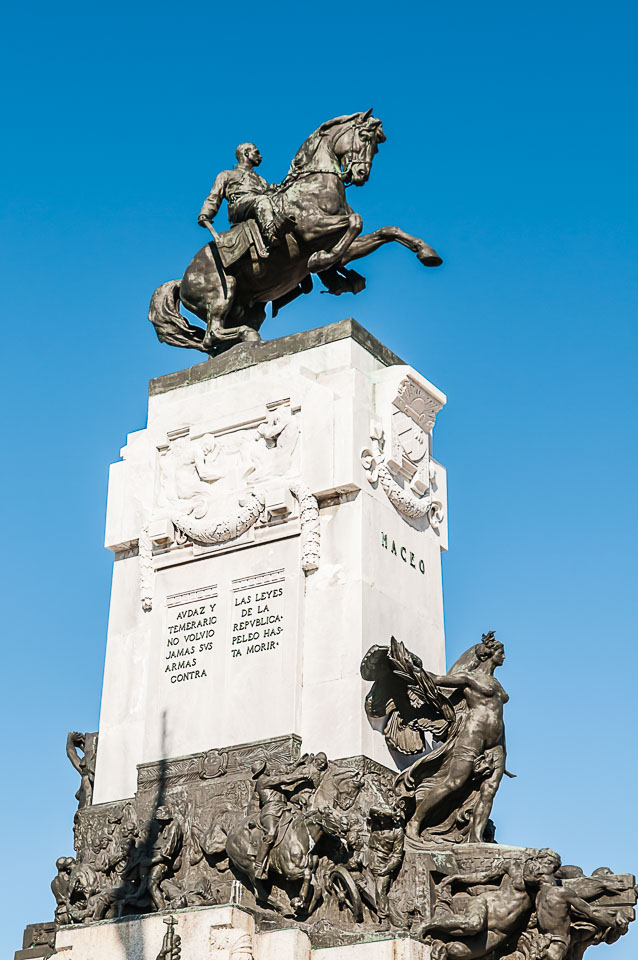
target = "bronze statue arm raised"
x: 472, y: 680
x: 73, y: 741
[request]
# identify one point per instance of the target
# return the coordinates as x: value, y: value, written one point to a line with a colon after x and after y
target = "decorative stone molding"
x: 405, y: 502
x: 208, y: 531
x: 202, y: 477
x: 147, y: 573
x: 417, y: 404
x: 309, y: 518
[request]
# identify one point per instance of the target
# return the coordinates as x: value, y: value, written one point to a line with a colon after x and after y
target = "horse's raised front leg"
x: 217, y: 308
x: 310, y: 229
x: 300, y: 904
x: 324, y: 259
x: 362, y: 246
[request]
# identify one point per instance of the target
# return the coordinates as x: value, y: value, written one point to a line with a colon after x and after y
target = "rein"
x: 292, y: 178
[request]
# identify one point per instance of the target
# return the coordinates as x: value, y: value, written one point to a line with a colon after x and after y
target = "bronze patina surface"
x: 280, y: 235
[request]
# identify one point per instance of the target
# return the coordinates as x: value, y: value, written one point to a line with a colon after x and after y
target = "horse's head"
x: 328, y: 821
x: 356, y: 146
x: 83, y: 883
x: 345, y: 145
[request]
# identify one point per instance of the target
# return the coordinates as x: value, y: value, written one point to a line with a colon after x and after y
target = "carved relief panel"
x: 221, y: 486
x: 399, y: 458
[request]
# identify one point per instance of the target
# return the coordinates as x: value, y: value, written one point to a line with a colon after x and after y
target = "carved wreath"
x: 210, y: 530
x: 407, y: 504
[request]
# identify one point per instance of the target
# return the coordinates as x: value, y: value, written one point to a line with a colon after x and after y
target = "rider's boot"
x: 261, y: 860
x: 272, y: 222
x: 270, y: 234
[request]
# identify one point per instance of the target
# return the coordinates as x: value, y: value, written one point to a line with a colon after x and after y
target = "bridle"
x: 347, y: 159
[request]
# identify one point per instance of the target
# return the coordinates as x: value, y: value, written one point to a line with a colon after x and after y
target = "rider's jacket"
x: 235, y: 186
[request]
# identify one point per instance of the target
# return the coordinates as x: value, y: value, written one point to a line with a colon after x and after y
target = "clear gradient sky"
x: 512, y: 149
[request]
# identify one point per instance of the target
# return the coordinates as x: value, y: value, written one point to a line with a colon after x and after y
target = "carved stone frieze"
x: 202, y: 476
x: 416, y: 503
x: 235, y: 761
x: 416, y: 403
x: 215, y: 488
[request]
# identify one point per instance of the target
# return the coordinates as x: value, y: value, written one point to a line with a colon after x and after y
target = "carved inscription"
x: 191, y: 629
x: 397, y: 550
x: 257, y: 614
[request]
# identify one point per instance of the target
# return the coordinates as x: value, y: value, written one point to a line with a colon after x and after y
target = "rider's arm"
x: 213, y: 201
x: 71, y: 750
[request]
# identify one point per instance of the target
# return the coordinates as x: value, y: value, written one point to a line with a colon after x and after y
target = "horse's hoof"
x: 297, y: 904
x: 429, y: 257
x: 251, y: 336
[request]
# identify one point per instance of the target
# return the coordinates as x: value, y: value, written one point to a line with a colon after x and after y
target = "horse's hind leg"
x: 217, y: 309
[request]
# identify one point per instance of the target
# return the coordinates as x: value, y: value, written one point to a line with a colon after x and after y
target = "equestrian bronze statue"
x: 280, y: 235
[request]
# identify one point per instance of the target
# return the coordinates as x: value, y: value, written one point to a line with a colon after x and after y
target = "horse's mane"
x: 308, y: 148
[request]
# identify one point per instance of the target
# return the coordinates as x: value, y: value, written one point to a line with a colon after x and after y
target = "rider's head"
x: 321, y: 761
x: 257, y: 768
x: 248, y: 152
x: 380, y: 816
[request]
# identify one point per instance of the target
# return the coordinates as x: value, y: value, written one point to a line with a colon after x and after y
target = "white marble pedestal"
x: 217, y: 933
x: 280, y: 513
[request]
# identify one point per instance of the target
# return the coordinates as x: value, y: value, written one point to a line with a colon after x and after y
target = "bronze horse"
x: 324, y: 235
x: 292, y: 856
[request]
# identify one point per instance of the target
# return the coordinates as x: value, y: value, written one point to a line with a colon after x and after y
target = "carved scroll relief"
x: 215, y: 487
x: 406, y: 473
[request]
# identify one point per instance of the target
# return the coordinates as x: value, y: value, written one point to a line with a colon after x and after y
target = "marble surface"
x: 268, y: 648
x: 217, y: 933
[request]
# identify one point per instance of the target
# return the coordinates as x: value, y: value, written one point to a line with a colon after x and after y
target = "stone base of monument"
x: 224, y: 932
x: 280, y: 512
x: 282, y: 768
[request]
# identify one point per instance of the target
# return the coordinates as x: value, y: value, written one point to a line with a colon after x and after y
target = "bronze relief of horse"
x: 292, y: 857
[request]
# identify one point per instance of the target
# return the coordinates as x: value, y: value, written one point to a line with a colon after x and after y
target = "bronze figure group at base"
x: 453, y: 785
x: 280, y: 235
x: 346, y: 846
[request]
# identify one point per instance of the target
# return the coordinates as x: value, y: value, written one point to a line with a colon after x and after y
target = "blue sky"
x: 511, y: 149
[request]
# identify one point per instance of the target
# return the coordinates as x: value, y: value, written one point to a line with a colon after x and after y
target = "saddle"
x: 238, y: 240
x: 283, y: 828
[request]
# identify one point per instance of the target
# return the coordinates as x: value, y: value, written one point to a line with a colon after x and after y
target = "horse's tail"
x: 170, y: 326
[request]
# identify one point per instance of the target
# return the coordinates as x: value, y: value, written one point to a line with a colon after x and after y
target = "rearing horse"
x: 325, y: 235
